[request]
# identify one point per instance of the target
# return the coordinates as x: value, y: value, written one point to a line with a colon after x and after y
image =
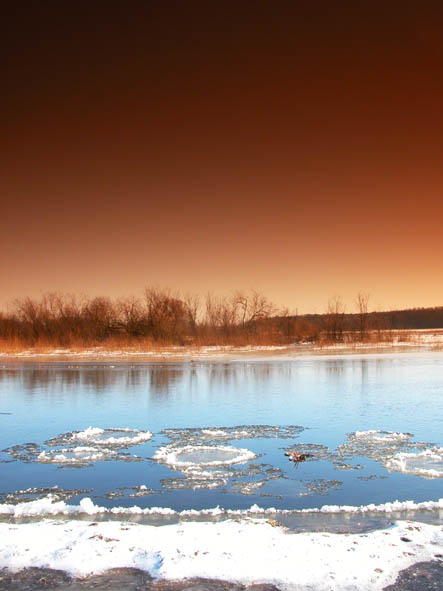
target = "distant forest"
x: 162, y: 317
x: 412, y: 318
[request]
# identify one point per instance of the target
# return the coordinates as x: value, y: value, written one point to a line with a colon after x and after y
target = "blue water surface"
x: 328, y: 397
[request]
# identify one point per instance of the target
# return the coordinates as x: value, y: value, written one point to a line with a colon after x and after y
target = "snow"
x: 50, y: 506
x: 245, y: 551
x: 75, y: 455
x: 115, y: 437
x: 376, y: 435
x: 198, y: 456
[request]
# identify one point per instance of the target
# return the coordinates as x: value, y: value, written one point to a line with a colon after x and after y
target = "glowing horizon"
x: 292, y: 151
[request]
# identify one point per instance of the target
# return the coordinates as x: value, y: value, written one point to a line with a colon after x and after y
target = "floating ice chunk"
x: 203, y: 455
x: 35, y: 493
x: 89, y: 433
x: 118, y: 437
x: 203, y: 466
x: 194, y: 436
x: 130, y: 491
x: 375, y: 444
x: 427, y: 463
x: 76, y: 455
x: 383, y: 436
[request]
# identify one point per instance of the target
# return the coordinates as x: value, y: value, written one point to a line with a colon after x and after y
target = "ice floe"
x: 217, y: 434
x: 205, y: 462
x: 80, y: 455
x: 35, y: 493
x: 427, y: 463
x: 395, y: 451
x: 375, y: 444
x: 83, y: 448
x: 114, y: 438
x: 204, y: 466
x: 132, y: 492
x: 199, y: 456
x: 320, y: 486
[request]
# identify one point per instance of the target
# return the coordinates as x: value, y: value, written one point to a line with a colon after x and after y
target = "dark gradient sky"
x: 292, y: 147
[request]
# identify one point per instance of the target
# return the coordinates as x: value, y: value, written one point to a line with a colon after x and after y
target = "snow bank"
x: 244, y: 552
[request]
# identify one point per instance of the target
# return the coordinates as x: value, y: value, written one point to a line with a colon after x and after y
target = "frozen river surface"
x: 197, y: 436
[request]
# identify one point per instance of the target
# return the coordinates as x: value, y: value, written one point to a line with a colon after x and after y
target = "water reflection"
x: 160, y: 379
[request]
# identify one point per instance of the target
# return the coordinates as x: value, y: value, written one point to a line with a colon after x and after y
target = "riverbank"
x: 380, y: 342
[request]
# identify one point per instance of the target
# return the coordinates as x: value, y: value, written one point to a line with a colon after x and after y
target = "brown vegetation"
x: 164, y: 318
x: 161, y: 317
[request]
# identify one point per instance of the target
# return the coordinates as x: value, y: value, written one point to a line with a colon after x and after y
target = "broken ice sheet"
x: 78, y: 449
x: 114, y: 438
x: 200, y: 436
x: 206, y: 462
x: 25, y: 452
x: 380, y: 446
x: 427, y: 463
x: 319, y: 486
x: 35, y: 493
x: 206, y: 467
x: 132, y: 492
x: 82, y: 456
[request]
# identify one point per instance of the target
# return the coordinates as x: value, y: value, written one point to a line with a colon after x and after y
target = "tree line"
x: 164, y: 317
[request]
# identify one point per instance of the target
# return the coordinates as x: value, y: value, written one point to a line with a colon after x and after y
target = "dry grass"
x: 164, y: 320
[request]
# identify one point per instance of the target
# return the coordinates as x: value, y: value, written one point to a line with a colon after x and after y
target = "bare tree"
x: 192, y: 307
x: 335, y: 319
x: 361, y: 304
x: 131, y: 316
x: 253, y: 306
x: 166, y: 315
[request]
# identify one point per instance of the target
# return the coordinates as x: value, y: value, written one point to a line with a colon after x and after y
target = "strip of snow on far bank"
x: 241, y: 551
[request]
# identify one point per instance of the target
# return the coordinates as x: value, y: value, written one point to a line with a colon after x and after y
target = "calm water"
x: 310, y: 405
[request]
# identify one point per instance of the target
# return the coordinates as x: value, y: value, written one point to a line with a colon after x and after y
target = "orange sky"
x: 291, y: 147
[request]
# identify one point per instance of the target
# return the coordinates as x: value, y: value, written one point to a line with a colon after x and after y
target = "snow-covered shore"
x: 240, y: 548
x: 244, y: 551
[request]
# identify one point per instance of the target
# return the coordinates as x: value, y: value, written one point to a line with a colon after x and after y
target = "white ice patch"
x: 378, y: 445
x: 427, y: 463
x: 121, y: 437
x: 204, y: 436
x: 382, y: 436
x: 76, y: 455
x: 241, y: 551
x: 201, y: 456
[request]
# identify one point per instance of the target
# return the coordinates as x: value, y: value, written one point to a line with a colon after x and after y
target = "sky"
x: 290, y: 147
